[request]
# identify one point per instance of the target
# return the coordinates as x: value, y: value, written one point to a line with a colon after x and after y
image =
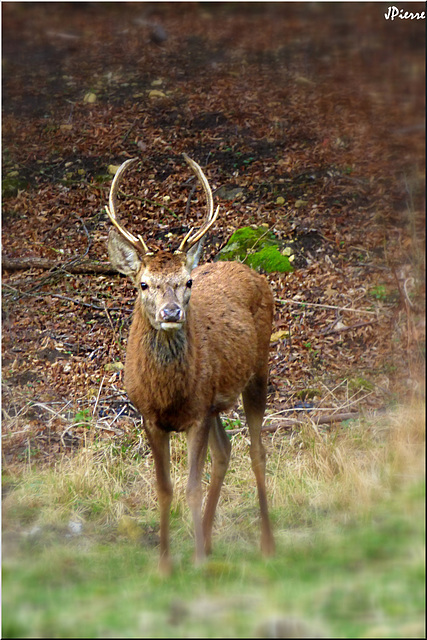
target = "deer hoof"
x: 165, y: 566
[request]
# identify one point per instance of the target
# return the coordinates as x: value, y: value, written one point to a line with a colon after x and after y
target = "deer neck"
x: 166, y: 347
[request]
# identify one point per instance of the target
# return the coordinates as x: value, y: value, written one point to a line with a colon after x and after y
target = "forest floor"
x: 307, y: 118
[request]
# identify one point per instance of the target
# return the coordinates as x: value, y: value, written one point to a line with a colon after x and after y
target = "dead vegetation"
x: 326, y: 152
x: 341, y: 473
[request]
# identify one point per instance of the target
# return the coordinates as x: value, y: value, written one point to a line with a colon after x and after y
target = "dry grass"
x: 352, y: 466
x: 341, y: 471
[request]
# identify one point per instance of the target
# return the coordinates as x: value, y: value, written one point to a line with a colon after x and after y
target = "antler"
x: 191, y: 239
x: 136, y: 241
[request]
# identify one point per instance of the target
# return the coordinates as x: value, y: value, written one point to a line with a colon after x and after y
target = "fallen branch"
x: 402, y: 291
x: 289, y: 423
x: 302, y: 303
x: 23, y: 294
x: 331, y: 419
x: 358, y: 325
x: 23, y: 264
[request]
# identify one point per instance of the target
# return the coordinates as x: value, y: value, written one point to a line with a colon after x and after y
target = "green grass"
x: 348, y: 513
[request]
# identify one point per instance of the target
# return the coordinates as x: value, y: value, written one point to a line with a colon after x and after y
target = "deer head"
x: 162, y: 278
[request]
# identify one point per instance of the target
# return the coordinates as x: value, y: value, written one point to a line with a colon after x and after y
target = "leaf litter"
x: 305, y: 117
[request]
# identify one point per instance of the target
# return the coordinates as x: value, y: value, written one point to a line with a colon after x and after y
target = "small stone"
x: 89, y: 98
x: 155, y: 93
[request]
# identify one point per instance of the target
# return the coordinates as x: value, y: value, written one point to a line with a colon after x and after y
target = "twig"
x: 127, y: 134
x: 72, y: 426
x: 358, y: 325
x: 411, y: 279
x: 402, y: 291
x: 13, y: 433
x: 57, y: 269
x: 347, y: 404
x: 324, y: 306
x: 301, y: 409
x: 74, y: 300
x: 289, y: 423
x: 118, y: 415
x: 24, y: 264
x: 63, y: 35
x: 109, y: 320
x: 337, y: 417
x: 57, y: 414
x: 99, y: 390
x: 118, y: 432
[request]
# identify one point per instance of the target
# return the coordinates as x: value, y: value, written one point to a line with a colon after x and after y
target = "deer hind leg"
x: 197, y: 441
x: 254, y: 400
x: 159, y: 442
x: 220, y: 448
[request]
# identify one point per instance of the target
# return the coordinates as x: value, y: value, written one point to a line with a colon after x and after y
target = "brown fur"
x: 224, y: 342
x: 192, y: 351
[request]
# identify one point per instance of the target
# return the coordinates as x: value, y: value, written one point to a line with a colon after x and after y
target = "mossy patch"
x: 269, y: 259
x: 258, y: 248
x: 11, y: 185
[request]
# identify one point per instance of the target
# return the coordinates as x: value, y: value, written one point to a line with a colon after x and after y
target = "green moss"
x: 259, y: 248
x: 269, y: 259
x: 360, y: 383
x: 11, y: 185
x: 248, y: 237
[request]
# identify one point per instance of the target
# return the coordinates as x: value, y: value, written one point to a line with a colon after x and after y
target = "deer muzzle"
x: 171, y: 316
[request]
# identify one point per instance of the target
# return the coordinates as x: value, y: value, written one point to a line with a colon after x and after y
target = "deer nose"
x: 171, y: 313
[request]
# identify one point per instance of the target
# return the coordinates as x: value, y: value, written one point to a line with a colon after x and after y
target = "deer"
x: 199, y: 339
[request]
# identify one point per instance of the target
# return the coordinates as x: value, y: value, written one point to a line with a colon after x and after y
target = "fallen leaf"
x: 89, y: 98
x: 156, y: 93
x: 278, y: 335
x: 114, y: 366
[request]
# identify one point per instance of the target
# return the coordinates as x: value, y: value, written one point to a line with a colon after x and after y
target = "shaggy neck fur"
x: 167, y: 347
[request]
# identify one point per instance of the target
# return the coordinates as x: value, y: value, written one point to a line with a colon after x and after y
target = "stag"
x: 199, y: 338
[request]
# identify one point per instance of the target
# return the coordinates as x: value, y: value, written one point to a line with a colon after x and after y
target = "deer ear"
x: 193, y: 255
x: 123, y: 256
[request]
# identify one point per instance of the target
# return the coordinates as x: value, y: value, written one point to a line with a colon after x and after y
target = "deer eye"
x: 144, y: 286
x: 189, y: 283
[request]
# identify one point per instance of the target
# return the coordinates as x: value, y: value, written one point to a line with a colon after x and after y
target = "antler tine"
x: 137, y: 242
x: 199, y: 173
x: 189, y: 239
x: 210, y: 218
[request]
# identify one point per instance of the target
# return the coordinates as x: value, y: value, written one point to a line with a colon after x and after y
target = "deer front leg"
x: 197, y: 442
x: 159, y: 442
